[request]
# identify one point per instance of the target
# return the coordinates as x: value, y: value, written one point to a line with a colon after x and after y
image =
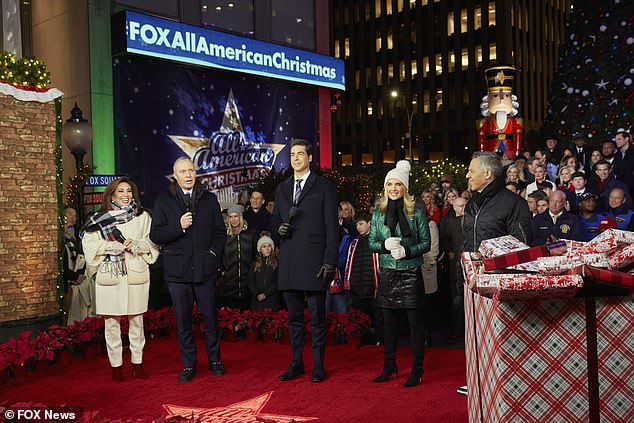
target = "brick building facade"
x: 29, y: 210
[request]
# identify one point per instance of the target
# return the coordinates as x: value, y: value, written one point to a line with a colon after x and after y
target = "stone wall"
x: 28, y: 210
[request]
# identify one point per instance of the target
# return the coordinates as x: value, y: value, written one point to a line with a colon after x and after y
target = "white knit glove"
x: 392, y: 243
x: 398, y: 253
x: 114, y: 248
x: 138, y: 247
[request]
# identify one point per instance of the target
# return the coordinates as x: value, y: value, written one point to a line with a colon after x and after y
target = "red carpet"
x: 347, y: 395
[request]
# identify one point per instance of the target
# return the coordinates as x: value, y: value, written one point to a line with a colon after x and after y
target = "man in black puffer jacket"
x: 493, y: 211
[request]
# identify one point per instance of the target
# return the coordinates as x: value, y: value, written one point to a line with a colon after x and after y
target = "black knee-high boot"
x: 390, y: 337
x: 417, y: 327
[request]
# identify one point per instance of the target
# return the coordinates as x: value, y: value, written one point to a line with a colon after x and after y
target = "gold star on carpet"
x: 248, y: 411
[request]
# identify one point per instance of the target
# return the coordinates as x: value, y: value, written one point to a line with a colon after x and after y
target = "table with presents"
x: 550, y: 330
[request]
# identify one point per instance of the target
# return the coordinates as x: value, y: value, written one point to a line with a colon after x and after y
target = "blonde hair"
x: 432, y: 203
x: 520, y: 174
x: 241, y: 227
x: 347, y: 203
x: 408, y: 201
x: 444, y: 199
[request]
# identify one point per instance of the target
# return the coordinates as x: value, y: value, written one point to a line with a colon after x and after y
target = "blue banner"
x: 155, y: 37
x: 234, y: 128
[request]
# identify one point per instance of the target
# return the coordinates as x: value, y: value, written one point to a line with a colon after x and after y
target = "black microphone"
x: 292, y: 212
x: 118, y: 235
x: 188, y: 201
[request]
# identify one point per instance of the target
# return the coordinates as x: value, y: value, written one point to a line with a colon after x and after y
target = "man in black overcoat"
x: 305, y: 214
x: 188, y: 224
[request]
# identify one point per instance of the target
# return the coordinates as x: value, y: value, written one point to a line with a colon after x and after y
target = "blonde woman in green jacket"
x: 399, y: 232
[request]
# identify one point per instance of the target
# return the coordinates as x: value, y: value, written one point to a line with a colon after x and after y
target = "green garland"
x: 26, y: 71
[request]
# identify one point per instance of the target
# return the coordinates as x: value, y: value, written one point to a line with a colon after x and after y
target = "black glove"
x: 326, y: 274
x: 285, y: 230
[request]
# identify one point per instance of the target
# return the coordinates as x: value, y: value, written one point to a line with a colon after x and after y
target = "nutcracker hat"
x: 400, y: 172
x: 500, y: 78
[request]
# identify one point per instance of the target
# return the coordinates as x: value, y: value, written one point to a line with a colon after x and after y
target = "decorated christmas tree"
x: 592, y: 91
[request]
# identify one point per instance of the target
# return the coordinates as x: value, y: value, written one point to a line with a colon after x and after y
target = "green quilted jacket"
x: 415, y: 245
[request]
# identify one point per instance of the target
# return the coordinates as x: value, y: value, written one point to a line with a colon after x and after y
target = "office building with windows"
x: 419, y: 65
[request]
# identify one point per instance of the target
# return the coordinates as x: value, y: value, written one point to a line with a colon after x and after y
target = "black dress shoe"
x: 187, y: 374
x: 319, y: 375
x: 217, y: 368
x: 293, y: 371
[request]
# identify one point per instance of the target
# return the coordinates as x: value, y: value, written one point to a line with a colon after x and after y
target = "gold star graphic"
x: 231, y: 122
x: 248, y: 411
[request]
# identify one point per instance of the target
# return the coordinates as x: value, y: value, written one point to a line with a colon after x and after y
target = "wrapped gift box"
x: 505, y: 287
x: 500, y: 246
x: 622, y: 257
x: 508, y: 286
x: 610, y: 277
x: 607, y: 242
x: 570, y: 264
x: 564, y: 360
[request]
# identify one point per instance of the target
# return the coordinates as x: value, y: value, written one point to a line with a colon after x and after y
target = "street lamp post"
x: 410, y: 117
x: 77, y: 135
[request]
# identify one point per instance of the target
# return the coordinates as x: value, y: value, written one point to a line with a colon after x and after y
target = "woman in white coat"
x: 116, y: 241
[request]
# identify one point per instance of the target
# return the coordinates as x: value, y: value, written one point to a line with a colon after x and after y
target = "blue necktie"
x: 298, y: 191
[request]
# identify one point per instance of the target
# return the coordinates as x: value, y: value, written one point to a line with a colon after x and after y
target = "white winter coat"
x: 125, y: 294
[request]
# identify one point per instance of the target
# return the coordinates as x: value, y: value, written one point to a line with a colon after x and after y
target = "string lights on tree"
x: 591, y: 93
x: 76, y: 185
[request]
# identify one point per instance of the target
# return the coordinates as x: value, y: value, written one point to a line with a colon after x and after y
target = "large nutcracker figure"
x: 501, y: 130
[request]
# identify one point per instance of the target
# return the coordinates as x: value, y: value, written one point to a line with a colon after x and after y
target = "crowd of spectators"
x: 573, y: 191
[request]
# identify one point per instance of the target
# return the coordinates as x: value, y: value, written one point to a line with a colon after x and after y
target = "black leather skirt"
x: 401, y: 288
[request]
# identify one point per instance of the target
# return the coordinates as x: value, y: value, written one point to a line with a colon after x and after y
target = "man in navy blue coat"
x: 622, y: 215
x: 306, y: 216
x: 555, y: 222
x: 188, y: 224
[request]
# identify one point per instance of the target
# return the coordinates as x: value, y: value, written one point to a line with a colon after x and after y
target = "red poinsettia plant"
x: 45, y: 345
x: 17, y: 351
x: 229, y: 319
x: 355, y: 321
x: 267, y: 321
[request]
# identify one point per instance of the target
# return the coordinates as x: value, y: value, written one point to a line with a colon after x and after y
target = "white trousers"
x: 113, y: 339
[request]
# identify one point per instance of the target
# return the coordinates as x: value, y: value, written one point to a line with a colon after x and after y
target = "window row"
x: 413, y: 67
x: 428, y: 101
